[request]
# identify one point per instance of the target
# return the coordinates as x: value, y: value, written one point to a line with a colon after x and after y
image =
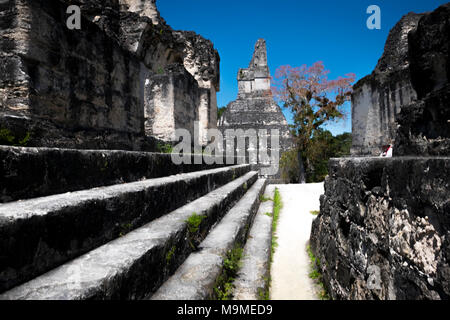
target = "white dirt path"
x: 290, y: 267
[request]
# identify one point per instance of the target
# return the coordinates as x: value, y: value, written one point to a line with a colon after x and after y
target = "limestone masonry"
x: 384, y: 226
x: 114, y: 224
x: 125, y: 78
x: 378, y: 98
x: 255, y: 107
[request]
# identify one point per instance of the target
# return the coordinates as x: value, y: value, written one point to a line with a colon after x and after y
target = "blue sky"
x: 297, y: 32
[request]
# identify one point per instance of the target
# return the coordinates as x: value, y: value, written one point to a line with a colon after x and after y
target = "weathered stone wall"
x: 36, y: 172
x: 384, y: 227
x: 387, y: 221
x: 378, y: 98
x: 141, y: 30
x: 424, y: 126
x: 173, y: 100
x: 255, y: 109
x: 202, y: 61
x: 72, y: 79
x: 88, y: 88
x: 146, y: 34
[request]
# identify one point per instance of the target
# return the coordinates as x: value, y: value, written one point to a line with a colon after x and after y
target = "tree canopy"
x: 313, y: 99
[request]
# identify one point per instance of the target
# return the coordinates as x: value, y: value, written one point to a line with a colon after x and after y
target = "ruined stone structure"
x: 255, y: 107
x: 113, y: 224
x: 424, y: 125
x: 384, y: 228
x: 378, y: 98
x: 124, y: 77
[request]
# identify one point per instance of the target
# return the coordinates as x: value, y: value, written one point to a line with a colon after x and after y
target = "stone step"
x: 196, y: 278
x: 253, y: 277
x: 136, y: 264
x: 51, y: 230
x: 35, y: 172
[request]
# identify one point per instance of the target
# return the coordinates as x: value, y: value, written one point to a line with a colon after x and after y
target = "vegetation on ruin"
x: 277, y: 205
x: 194, y: 222
x: 316, y: 275
x: 220, y: 112
x: 193, y: 226
x: 7, y: 138
x: 314, y: 100
x: 263, y: 293
x: 315, y: 212
x: 322, y: 147
x: 231, y: 264
x: 164, y: 147
x: 170, y: 254
x: 125, y: 228
x: 262, y: 198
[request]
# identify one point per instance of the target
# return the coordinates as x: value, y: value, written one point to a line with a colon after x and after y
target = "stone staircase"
x: 95, y: 224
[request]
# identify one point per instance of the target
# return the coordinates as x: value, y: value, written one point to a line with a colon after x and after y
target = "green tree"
x: 322, y: 147
x: 314, y: 100
x: 220, y: 111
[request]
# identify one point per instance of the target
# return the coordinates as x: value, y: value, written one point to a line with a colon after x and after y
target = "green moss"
x: 263, y: 293
x: 25, y: 140
x: 245, y: 186
x: 277, y: 205
x: 170, y: 254
x: 193, y: 226
x: 315, y: 274
x: 262, y: 198
x: 315, y: 212
x: 8, y: 138
x: 164, y: 147
x: 125, y: 228
x: 194, y: 222
x: 231, y: 264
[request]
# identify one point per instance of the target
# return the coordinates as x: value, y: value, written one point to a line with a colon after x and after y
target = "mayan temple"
x: 255, y: 107
x: 98, y: 201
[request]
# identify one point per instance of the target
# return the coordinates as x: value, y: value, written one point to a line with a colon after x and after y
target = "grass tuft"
x: 262, y: 198
x: 194, y: 222
x: 164, y: 147
x: 315, y: 274
x: 224, y: 285
x: 7, y: 138
x: 193, y: 226
x: 277, y: 205
x: 170, y: 255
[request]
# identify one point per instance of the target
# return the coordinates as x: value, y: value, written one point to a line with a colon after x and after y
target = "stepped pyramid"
x: 101, y: 228
x: 81, y: 215
x: 255, y: 107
